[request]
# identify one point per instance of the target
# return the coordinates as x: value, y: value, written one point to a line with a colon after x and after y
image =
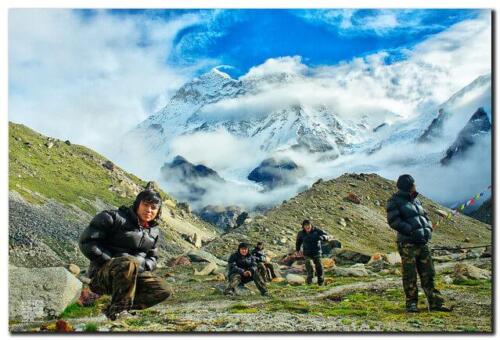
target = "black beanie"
x: 405, y: 182
x: 242, y: 245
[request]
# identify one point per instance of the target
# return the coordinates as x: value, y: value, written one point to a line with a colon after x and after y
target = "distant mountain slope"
x: 361, y: 227
x: 57, y: 187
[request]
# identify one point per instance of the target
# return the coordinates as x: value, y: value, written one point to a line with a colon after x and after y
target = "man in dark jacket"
x: 309, y: 238
x: 242, y: 269
x: 406, y: 215
x: 265, y: 268
x: 122, y: 248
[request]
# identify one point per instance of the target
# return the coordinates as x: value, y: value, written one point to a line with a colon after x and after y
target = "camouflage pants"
x: 316, y: 260
x: 266, y: 271
x: 417, y: 258
x: 236, y: 279
x: 128, y: 288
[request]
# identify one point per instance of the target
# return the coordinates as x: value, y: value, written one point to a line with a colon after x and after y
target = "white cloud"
x: 89, y: 80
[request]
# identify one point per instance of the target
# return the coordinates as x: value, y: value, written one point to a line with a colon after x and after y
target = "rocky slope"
x: 57, y: 187
x: 360, y: 227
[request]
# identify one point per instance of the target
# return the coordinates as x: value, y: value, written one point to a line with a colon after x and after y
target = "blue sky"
x: 245, y: 38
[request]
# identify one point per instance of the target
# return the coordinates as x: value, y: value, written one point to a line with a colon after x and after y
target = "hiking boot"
x: 309, y: 280
x: 229, y: 292
x: 121, y: 315
x: 412, y: 308
x: 321, y: 281
x: 440, y: 309
x: 265, y: 293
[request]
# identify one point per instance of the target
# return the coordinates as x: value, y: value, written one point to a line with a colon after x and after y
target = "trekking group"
x: 122, y: 246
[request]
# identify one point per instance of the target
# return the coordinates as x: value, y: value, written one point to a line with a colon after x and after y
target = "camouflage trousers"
x: 236, y: 279
x: 266, y: 271
x: 309, y: 261
x: 129, y: 289
x: 417, y: 259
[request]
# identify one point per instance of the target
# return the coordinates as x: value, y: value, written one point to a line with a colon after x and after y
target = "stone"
x: 67, y: 142
x: 207, y: 270
x: 278, y: 279
x: 179, y: 261
x: 328, y: 263
x: 342, y: 222
x: 394, y: 258
x: 283, y: 240
x: 447, y: 279
x: 49, y: 144
x: 344, y: 256
x: 356, y: 270
x: 197, y: 240
x: 220, y: 277
x: 486, y: 252
x: 37, y: 293
x: 295, y: 279
x: 467, y: 239
x: 351, y: 197
x: 74, y: 269
x: 108, y: 165
x: 204, y: 256
x: 441, y: 213
x: 465, y: 271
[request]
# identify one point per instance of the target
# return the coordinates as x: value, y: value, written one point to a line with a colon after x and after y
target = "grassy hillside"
x: 51, y: 176
x: 361, y: 227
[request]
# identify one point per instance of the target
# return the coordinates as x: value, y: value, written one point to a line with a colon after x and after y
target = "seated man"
x: 122, y: 248
x: 265, y: 268
x: 243, y: 269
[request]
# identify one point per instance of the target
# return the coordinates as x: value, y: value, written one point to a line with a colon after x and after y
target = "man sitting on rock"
x: 406, y: 215
x: 122, y: 248
x: 265, y: 268
x: 309, y: 238
x: 243, y: 269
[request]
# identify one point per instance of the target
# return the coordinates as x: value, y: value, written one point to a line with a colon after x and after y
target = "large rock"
x: 295, y: 279
x: 465, y: 271
x: 345, y: 256
x: 356, y: 270
x: 204, y: 256
x: 272, y: 173
x: 207, y: 270
x: 225, y: 218
x: 36, y: 293
x: 394, y: 258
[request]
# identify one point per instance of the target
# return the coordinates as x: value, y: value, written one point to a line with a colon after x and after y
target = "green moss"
x: 242, y: 308
x: 90, y: 327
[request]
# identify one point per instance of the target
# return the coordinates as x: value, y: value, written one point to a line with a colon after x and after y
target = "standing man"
x: 406, y: 215
x: 265, y: 268
x: 309, y: 238
x: 243, y: 269
x: 122, y: 246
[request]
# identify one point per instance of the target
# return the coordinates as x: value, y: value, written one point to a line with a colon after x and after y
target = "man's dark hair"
x: 405, y: 182
x: 148, y: 196
x: 306, y: 222
x: 242, y: 245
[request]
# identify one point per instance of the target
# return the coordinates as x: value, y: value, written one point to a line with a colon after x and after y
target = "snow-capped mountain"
x: 316, y: 135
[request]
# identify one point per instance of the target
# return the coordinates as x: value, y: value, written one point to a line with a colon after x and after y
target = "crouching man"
x: 266, y: 268
x: 243, y: 269
x: 122, y: 248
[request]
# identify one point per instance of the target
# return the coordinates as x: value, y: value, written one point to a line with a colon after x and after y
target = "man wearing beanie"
x: 406, y: 215
x: 243, y: 269
x: 122, y: 248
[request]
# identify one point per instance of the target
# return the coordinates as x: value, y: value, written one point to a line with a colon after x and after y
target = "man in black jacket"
x: 122, y: 248
x: 266, y: 269
x: 309, y: 238
x: 406, y: 215
x: 242, y: 269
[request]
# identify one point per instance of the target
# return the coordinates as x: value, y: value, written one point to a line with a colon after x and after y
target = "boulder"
x: 486, y: 252
x: 179, y: 261
x: 465, y: 271
x: 394, y: 258
x: 328, y: 263
x: 209, y: 268
x: 294, y: 279
x: 355, y: 270
x: 74, y: 269
x: 204, y: 256
x: 36, y: 293
x: 345, y: 256
x: 351, y: 197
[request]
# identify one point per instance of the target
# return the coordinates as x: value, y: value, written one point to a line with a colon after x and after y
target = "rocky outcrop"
x: 272, y: 173
x: 36, y: 293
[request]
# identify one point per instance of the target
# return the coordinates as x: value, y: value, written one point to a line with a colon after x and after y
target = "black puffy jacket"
x: 238, y: 263
x: 115, y: 233
x: 406, y: 215
x: 311, y: 241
